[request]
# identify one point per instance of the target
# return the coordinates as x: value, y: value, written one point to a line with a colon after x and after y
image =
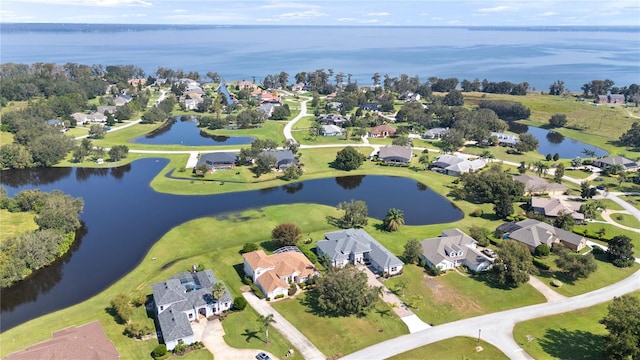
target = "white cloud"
x: 102, y: 3
x: 548, y: 13
x: 346, y: 19
x: 180, y: 10
x: 424, y: 14
x: 288, y: 5
x: 384, y: 13
x: 495, y: 9
x: 369, y: 21
x: 302, y: 14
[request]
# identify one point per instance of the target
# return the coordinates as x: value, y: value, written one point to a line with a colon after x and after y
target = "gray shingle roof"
x: 533, y: 233
x: 340, y: 244
x: 211, y: 159
x: 396, y: 153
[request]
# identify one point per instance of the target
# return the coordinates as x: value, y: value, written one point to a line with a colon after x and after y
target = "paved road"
x: 211, y: 334
x: 497, y: 328
x: 630, y: 208
x: 297, y: 339
x: 289, y: 126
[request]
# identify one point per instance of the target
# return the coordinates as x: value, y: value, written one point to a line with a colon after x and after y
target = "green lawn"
x: 460, y: 347
x: 305, y: 123
x: 341, y: 335
x: 5, y: 138
x: 606, y: 274
x: 626, y: 220
x: 632, y: 199
x: 611, y: 231
x: 453, y: 296
x: 572, y: 335
x: 242, y: 331
x: 14, y: 224
x: 578, y: 174
x: 500, y: 152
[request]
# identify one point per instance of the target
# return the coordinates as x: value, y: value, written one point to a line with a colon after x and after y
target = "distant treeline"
x: 57, y: 217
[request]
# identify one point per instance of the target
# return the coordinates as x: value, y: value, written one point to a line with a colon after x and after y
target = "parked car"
x: 263, y: 356
x: 600, y: 187
x: 490, y: 253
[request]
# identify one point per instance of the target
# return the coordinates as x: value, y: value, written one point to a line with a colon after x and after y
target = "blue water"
x: 182, y: 131
x: 242, y: 52
x: 551, y: 142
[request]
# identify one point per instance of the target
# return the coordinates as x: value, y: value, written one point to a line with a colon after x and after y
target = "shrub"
x: 542, y: 250
x: 286, y: 234
x: 422, y: 262
x: 180, y: 349
x: 247, y: 280
x: 309, y: 254
x: 239, y: 303
x: 249, y: 247
x: 159, y: 351
x: 279, y: 296
x: 556, y: 283
x: 477, y: 213
x: 540, y: 265
x: 293, y: 289
x: 257, y: 291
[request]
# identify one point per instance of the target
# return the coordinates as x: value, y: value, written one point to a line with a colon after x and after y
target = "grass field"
x: 14, y: 224
x: 626, y: 220
x: 462, y: 347
x: 572, y: 335
x: 341, y: 335
x: 633, y: 200
x: 458, y: 296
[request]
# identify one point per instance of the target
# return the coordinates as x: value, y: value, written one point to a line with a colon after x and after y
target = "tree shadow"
x: 270, y: 246
x: 490, y: 216
x: 578, y: 344
x: 383, y: 312
x: 488, y: 279
x: 251, y: 334
x: 334, y: 221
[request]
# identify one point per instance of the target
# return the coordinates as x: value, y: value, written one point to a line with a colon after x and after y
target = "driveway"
x: 299, y: 341
x: 211, y: 334
x: 289, y: 126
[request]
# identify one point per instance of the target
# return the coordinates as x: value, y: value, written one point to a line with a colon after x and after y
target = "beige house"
x: 534, y: 185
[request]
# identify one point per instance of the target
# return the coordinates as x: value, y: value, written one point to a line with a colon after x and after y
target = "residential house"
x: 297, y: 87
x: 331, y: 96
x: 435, y: 133
x: 191, y: 104
x: 452, y: 249
x: 456, y: 165
x: 247, y: 85
x: 136, y: 82
x: 267, y: 108
x: 356, y: 246
x: 334, y: 105
x: 331, y: 119
x: 331, y: 130
x: 394, y: 154
x: 55, y: 123
x: 409, y: 96
x: 122, y: 99
x: 97, y: 117
x: 382, y: 131
x: 217, y: 161
x: 505, y: 139
x: 271, y: 98
x: 533, y: 233
x: 534, y: 185
x: 88, y: 341
x: 80, y: 118
x: 555, y: 207
x: 608, y: 162
x: 182, y: 299
x: 284, y: 158
x: 370, y: 106
x: 273, y: 273
x: 104, y: 109
x: 610, y: 98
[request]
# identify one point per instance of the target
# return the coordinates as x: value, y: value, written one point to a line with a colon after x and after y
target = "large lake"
x: 576, y: 56
x: 183, y: 130
x: 123, y: 217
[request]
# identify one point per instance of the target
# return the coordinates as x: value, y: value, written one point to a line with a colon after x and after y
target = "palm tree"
x: 541, y: 168
x: 393, y: 220
x: 265, y: 321
x: 218, y: 290
x: 424, y: 160
x: 589, y: 152
x: 486, y: 154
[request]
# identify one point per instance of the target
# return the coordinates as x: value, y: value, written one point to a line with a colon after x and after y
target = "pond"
x: 123, y: 217
x: 552, y: 142
x: 183, y: 130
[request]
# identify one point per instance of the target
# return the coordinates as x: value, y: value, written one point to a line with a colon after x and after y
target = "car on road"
x: 600, y: 187
x: 490, y: 253
x: 263, y: 356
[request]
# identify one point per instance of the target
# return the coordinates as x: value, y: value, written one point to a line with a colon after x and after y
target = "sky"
x: 327, y: 12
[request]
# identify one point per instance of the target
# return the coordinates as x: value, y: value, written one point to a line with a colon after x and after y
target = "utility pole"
x: 479, y: 330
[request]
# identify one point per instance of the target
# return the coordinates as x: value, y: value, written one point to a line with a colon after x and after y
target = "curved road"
x: 289, y: 126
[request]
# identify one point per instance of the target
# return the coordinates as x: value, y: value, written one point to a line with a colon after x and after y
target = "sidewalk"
x: 297, y: 339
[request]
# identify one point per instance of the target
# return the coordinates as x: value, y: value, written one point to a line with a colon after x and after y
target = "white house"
x: 452, y: 249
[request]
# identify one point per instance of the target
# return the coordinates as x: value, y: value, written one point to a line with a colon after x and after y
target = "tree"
x: 620, y: 251
x: 564, y: 221
x: 401, y: 141
x: 412, y: 251
x: 355, y: 213
x: 480, y: 234
x: 59, y: 212
x: 503, y: 206
x: 393, y: 220
x: 286, y: 234
x: 513, y: 264
x: 249, y: 247
x: 15, y: 156
x: 526, y: 142
x: 590, y: 208
x: 589, y: 152
x: 574, y: 266
x: 424, y: 161
x: 345, y: 291
x: 292, y: 172
x: 541, y: 168
x: 453, y: 98
x: 452, y: 140
x: 559, y: 173
x: 264, y: 164
x: 557, y: 88
x: 349, y: 159
x: 558, y: 120
x: 556, y: 157
x: 632, y: 137
x: 97, y: 131
x: 118, y: 152
x: 265, y: 321
x: 239, y: 303
x: 586, y: 191
x: 622, y: 321
x: 522, y: 168
x: 49, y: 149
x: 402, y: 286
x: 218, y: 290
x: 121, y: 308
